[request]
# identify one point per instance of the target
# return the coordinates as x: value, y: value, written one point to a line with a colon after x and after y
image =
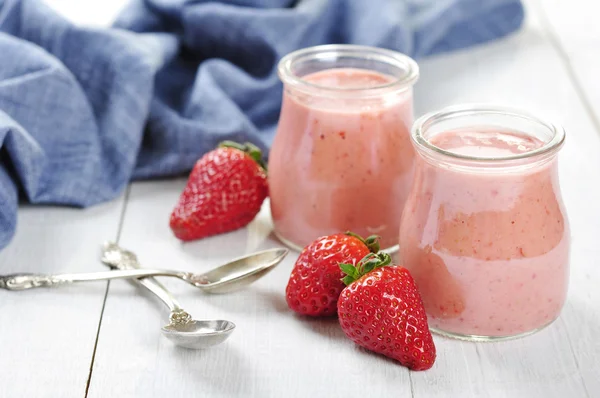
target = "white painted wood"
x: 96, y: 13
x: 542, y: 365
x: 576, y: 31
x: 272, y: 353
x: 47, y: 336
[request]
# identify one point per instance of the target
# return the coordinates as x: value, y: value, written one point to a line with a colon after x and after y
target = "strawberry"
x: 224, y: 192
x: 382, y: 311
x: 315, y: 283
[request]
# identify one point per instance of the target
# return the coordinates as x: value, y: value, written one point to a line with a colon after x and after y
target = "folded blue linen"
x: 83, y: 111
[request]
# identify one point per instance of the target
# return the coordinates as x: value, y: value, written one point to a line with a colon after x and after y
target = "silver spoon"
x: 182, y: 329
x: 229, y: 277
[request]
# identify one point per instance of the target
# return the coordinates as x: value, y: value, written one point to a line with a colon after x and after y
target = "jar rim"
x: 395, y: 58
x: 548, y: 149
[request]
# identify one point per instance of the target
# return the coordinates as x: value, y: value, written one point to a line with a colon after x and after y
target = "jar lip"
x: 422, y: 123
x: 409, y: 65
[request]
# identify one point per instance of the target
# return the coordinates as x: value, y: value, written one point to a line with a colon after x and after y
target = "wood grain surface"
x: 103, y: 340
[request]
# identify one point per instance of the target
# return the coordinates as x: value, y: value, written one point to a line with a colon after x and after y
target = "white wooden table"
x: 103, y: 340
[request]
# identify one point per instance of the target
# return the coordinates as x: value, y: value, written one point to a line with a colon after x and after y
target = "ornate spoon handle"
x: 30, y: 281
x: 118, y: 258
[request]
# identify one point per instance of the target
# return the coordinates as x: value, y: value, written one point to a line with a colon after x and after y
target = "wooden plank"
x: 272, y: 353
x: 542, y: 365
x: 48, y: 335
x: 574, y: 31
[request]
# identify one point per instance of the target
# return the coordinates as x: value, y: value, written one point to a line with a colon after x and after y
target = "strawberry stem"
x: 370, y: 262
x: 249, y: 148
x: 372, y: 242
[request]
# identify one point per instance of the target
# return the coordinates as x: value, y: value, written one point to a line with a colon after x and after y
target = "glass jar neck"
x: 400, y: 71
x: 487, y: 121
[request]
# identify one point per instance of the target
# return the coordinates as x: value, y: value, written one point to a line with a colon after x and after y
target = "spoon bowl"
x: 241, y: 271
x: 182, y: 329
x: 198, y: 334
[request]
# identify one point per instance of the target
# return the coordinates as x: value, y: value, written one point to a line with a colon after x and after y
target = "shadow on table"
x: 326, y: 327
x: 260, y: 298
x: 329, y: 328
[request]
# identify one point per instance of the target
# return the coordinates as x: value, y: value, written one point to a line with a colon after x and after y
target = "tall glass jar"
x: 484, y: 231
x: 342, y: 158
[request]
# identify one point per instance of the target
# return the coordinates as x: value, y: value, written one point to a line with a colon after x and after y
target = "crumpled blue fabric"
x: 83, y: 111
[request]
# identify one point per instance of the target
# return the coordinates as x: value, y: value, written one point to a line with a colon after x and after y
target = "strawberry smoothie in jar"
x: 342, y: 157
x: 484, y: 231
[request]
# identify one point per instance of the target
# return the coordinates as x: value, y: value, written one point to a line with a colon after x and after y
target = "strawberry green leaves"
x: 252, y: 150
x: 370, y: 262
x: 372, y: 242
x: 351, y: 273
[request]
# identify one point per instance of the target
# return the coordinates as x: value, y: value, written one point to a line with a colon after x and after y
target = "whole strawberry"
x: 382, y: 311
x: 315, y: 283
x: 224, y: 192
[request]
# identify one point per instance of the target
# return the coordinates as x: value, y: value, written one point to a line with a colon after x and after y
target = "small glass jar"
x: 484, y: 231
x: 342, y: 157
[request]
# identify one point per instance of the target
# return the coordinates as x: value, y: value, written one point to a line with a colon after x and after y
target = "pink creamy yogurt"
x: 341, y: 164
x: 489, y: 250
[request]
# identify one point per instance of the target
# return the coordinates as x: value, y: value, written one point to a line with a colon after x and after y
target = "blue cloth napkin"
x: 83, y: 111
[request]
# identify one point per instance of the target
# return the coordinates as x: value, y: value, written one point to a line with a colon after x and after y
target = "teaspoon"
x: 182, y: 329
x: 229, y: 277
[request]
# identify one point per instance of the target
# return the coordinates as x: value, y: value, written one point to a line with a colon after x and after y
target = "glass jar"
x: 342, y: 157
x: 484, y: 231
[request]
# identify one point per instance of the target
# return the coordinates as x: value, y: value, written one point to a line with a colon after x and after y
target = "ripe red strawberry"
x: 315, y: 283
x: 382, y: 311
x: 224, y: 192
